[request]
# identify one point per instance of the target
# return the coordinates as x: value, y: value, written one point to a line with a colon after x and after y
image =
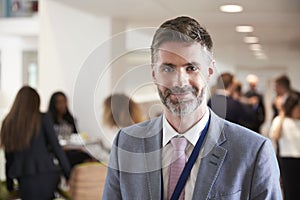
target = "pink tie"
x: 177, y: 165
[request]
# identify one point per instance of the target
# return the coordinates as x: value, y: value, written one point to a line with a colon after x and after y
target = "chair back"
x: 87, y: 181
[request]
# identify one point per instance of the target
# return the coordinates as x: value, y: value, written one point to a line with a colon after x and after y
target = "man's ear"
x: 153, y: 73
x: 210, y: 71
x: 211, y: 68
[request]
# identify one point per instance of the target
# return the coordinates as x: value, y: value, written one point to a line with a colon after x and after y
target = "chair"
x: 87, y: 181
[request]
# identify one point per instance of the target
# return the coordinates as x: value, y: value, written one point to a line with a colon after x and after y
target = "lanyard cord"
x: 189, y: 165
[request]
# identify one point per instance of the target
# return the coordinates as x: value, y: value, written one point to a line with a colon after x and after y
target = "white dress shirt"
x: 192, y: 136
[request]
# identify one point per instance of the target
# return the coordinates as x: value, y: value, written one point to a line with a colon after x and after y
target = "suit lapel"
x: 213, y: 156
x: 208, y: 172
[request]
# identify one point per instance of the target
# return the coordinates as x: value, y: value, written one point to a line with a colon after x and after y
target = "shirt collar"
x: 191, y: 135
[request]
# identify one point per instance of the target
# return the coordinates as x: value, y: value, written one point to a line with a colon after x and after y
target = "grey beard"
x: 184, y: 107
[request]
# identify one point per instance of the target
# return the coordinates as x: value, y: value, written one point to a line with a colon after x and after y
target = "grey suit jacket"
x: 236, y: 164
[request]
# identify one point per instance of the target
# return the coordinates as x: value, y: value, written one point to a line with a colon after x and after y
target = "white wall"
x: 11, y: 48
x: 67, y: 45
x: 11, y: 62
x: 294, y: 72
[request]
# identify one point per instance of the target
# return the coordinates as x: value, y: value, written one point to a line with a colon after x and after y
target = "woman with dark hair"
x: 32, y: 149
x: 64, y: 125
x: 285, y: 131
x: 64, y: 122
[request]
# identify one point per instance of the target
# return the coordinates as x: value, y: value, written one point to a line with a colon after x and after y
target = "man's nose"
x: 181, y: 78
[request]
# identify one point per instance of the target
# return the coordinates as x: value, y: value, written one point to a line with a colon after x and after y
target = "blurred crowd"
x: 248, y: 110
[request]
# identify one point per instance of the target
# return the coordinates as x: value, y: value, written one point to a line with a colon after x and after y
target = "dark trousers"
x: 77, y: 156
x: 290, y: 169
x: 39, y: 186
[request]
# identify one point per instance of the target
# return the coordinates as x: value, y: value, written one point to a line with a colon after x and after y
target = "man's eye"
x: 167, y: 69
x: 192, y: 68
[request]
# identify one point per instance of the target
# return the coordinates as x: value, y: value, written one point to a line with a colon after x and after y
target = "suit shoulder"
x: 146, y: 123
x: 148, y: 133
x: 242, y: 143
x: 145, y: 129
x: 244, y: 135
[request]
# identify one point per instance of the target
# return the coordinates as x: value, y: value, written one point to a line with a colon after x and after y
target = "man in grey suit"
x: 233, y: 162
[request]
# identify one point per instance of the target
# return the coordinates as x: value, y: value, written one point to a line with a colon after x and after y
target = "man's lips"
x: 181, y: 95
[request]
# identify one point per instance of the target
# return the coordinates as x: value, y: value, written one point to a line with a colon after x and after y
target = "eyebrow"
x: 187, y: 64
x: 193, y: 63
x: 167, y: 64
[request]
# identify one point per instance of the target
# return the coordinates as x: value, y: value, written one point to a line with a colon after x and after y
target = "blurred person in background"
x: 64, y: 122
x: 248, y: 118
x: 222, y: 102
x: 227, y: 101
x: 237, y: 93
x: 119, y: 111
x: 256, y: 102
x: 285, y: 132
x: 64, y: 126
x: 33, y: 154
x: 282, y: 89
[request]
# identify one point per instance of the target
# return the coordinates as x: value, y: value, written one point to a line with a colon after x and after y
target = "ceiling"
x: 276, y: 24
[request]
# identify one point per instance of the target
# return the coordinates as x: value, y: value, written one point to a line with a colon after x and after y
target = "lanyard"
x: 188, y: 166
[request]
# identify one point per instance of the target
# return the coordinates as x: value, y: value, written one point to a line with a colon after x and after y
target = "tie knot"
x: 179, y: 143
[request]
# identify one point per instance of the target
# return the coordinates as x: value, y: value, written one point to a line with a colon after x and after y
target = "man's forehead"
x: 184, y: 50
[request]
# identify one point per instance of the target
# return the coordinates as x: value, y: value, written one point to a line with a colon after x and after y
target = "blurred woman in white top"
x: 285, y: 130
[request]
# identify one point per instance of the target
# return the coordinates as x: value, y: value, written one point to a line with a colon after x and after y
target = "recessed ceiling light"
x: 231, y: 8
x: 250, y: 39
x: 258, y: 53
x: 255, y: 47
x: 244, y: 29
x: 263, y: 57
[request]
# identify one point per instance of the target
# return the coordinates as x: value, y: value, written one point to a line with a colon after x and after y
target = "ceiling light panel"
x: 231, y: 8
x: 255, y: 47
x: 244, y: 29
x: 251, y: 39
